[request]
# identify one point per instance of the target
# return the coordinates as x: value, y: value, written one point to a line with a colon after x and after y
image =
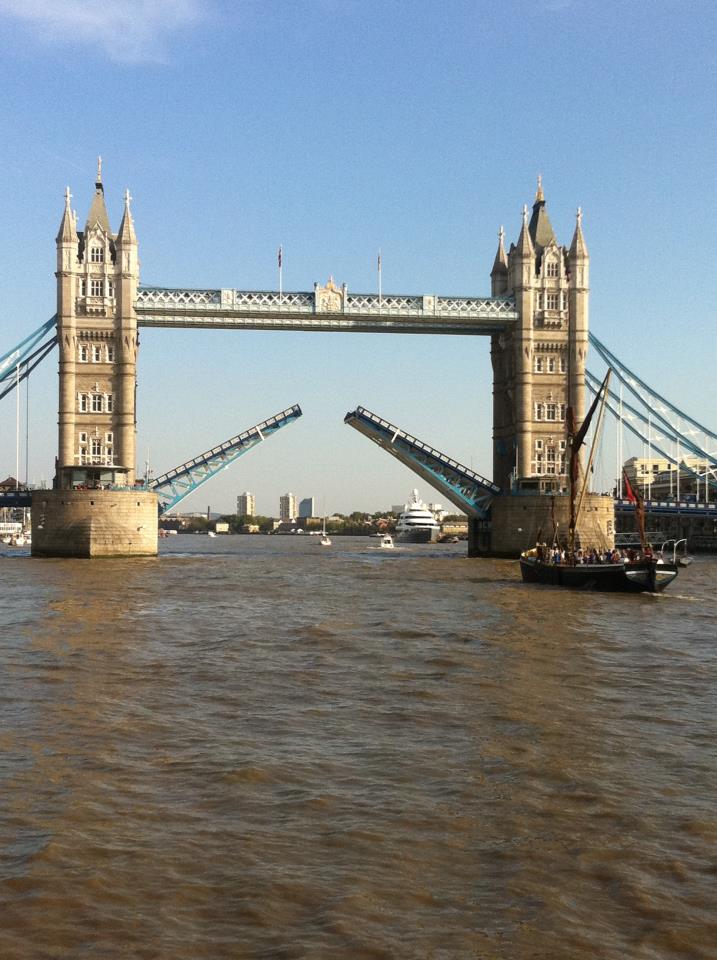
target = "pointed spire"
x: 126, y: 231
x: 98, y: 210
x: 541, y: 229
x: 500, y: 264
x: 67, y: 231
x: 578, y: 247
x: 524, y: 247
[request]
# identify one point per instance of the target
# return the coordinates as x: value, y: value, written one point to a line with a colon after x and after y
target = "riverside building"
x: 246, y: 505
x: 288, y: 507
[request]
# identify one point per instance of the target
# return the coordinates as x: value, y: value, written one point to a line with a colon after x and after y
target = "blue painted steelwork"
x: 653, y: 441
x: 671, y: 507
x: 178, y: 483
x: 657, y: 404
x: 10, y: 499
x: 26, y: 355
x: 470, y: 492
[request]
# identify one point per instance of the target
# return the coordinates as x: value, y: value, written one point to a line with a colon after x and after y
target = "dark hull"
x: 639, y: 577
x: 417, y: 535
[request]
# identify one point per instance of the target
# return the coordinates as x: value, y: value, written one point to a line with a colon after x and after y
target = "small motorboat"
x: 386, y: 543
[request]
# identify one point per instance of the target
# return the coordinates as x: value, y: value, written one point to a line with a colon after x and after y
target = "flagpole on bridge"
x: 378, y: 267
x: 279, y: 260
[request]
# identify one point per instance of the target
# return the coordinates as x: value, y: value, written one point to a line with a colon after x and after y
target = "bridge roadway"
x: 327, y: 309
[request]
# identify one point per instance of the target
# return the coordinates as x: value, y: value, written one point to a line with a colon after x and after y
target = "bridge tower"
x: 538, y: 371
x: 97, y: 279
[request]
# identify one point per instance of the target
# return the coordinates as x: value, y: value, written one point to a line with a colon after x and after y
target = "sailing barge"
x: 643, y: 573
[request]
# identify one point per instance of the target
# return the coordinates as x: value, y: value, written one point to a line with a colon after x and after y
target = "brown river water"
x: 260, y: 748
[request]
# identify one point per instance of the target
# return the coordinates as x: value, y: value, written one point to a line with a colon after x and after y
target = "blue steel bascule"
x: 537, y: 320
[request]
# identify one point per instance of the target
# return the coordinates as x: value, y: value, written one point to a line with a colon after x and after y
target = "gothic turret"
x: 579, y: 284
x: 578, y: 247
x: 67, y: 234
x: 499, y: 273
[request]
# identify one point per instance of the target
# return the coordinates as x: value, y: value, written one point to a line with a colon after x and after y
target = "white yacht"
x: 417, y: 524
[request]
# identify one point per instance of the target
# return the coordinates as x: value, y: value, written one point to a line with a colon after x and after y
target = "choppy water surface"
x: 259, y: 748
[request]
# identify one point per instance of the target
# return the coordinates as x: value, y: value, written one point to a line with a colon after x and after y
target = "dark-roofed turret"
x: 541, y: 229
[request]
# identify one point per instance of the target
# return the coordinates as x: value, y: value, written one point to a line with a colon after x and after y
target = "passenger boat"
x: 636, y: 573
x: 649, y: 574
x: 417, y: 524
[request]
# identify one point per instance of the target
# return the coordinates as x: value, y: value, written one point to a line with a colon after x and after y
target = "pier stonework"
x: 94, y: 523
x: 538, y: 372
x: 97, y: 279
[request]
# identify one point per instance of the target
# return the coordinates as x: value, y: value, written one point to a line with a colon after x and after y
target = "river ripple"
x: 259, y: 748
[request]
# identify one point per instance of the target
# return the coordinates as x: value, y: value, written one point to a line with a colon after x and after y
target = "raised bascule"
x: 536, y: 317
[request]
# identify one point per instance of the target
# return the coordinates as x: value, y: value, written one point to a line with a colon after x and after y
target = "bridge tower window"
x: 551, y: 268
x: 551, y: 411
x: 109, y: 402
x: 97, y: 354
x: 538, y: 364
x: 84, y: 353
x: 563, y: 365
x: 97, y: 403
x: 83, y: 402
x: 96, y: 288
x: 97, y: 255
x: 551, y: 301
x: 551, y: 364
x: 539, y: 410
x: 110, y: 354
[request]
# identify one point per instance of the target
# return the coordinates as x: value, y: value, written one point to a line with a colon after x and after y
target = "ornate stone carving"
x: 329, y: 299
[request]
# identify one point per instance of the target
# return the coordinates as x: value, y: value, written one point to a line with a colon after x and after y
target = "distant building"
x: 307, y: 507
x: 658, y: 478
x: 246, y: 505
x: 287, y: 507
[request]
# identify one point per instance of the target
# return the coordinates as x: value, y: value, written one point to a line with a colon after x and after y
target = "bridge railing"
x: 164, y: 299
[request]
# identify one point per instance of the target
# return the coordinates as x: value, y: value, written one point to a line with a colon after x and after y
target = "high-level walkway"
x: 327, y: 308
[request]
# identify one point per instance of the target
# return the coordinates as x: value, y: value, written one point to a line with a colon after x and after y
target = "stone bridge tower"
x: 538, y: 372
x: 539, y: 369
x: 97, y: 278
x: 96, y: 507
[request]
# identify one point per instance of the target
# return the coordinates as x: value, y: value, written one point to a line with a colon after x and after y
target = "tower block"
x: 538, y: 372
x: 96, y: 507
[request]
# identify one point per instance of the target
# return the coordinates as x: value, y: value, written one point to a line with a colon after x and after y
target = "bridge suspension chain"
x: 17, y: 364
x: 652, y: 440
x: 658, y: 405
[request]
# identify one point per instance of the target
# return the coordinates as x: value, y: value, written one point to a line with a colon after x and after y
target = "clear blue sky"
x: 336, y: 127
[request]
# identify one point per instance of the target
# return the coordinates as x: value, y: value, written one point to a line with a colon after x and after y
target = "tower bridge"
x: 536, y: 317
